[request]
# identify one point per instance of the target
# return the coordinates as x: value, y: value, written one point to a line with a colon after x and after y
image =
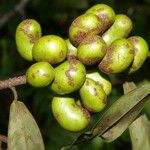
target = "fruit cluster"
x: 96, y: 38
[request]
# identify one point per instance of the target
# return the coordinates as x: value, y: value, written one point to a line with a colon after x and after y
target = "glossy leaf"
x: 125, y: 121
x: 23, y: 132
x: 122, y: 109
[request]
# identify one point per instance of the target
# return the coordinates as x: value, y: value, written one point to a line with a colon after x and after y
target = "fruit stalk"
x: 3, y: 138
x: 11, y: 82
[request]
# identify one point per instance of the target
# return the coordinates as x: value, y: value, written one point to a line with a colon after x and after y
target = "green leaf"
x: 120, y: 115
x: 140, y: 140
x: 126, y: 120
x: 116, y: 120
x: 23, y: 132
x: 128, y: 87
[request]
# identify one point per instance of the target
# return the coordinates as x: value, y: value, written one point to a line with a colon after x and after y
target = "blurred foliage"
x: 55, y: 16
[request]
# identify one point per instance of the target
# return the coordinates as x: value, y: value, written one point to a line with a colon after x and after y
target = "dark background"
x: 55, y: 16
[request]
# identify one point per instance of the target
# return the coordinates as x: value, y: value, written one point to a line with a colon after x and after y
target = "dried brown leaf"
x: 23, y: 132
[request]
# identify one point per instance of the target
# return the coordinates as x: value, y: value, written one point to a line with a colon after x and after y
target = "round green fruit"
x: 100, y: 79
x: 119, y: 56
x: 140, y: 52
x: 40, y: 74
x: 69, y: 77
x: 27, y: 33
x: 120, y: 29
x: 93, y: 96
x: 91, y: 50
x: 72, y: 51
x: 50, y: 48
x: 82, y: 26
x: 69, y: 115
x: 105, y: 13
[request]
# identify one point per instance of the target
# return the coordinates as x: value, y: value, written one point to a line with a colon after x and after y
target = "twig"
x: 144, y: 9
x: 12, y: 82
x: 18, y: 8
x: 14, y: 93
x: 2, y: 139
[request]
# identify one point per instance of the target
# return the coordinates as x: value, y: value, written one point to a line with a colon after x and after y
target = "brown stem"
x: 12, y: 82
x: 3, y: 138
x: 18, y: 8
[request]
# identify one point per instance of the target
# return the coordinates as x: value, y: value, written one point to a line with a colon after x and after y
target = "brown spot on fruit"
x: 135, y: 51
x: 61, y: 54
x: 95, y: 92
x: 79, y: 37
x: 84, y: 111
x: 104, y: 65
x: 133, y: 40
x: 104, y: 49
x: 104, y: 16
x: 105, y: 100
x: 70, y: 79
x: 101, y: 11
x: 91, y: 39
x: 71, y: 69
x: 82, y: 33
x: 27, y: 22
x: 32, y: 38
x: 90, y: 61
x: 69, y: 57
x: 76, y: 22
x: 45, y: 74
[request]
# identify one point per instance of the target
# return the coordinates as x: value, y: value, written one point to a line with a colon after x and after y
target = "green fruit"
x: 99, y: 79
x: 91, y: 50
x: 40, y: 74
x: 140, y: 52
x: 93, y: 96
x: 69, y: 77
x: 27, y: 33
x: 82, y: 26
x: 120, y: 29
x: 119, y: 56
x: 69, y: 115
x: 72, y: 51
x: 105, y: 13
x: 50, y: 48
